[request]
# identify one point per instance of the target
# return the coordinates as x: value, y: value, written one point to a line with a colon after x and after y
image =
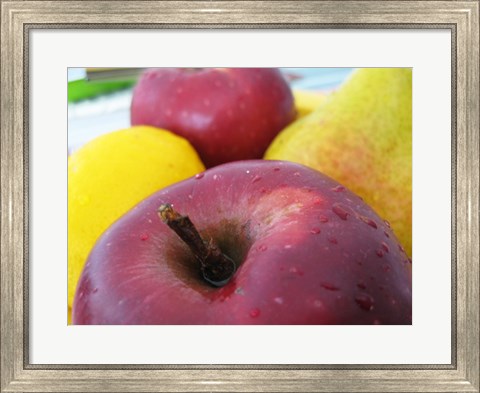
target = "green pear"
x: 362, y: 137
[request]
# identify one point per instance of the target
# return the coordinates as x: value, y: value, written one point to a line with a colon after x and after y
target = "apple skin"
x: 308, y: 251
x: 227, y: 114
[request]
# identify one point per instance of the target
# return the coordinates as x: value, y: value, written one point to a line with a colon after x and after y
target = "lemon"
x: 307, y: 101
x: 110, y: 175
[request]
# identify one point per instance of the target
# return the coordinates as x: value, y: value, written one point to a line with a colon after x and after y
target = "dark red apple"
x: 227, y: 114
x: 306, y: 251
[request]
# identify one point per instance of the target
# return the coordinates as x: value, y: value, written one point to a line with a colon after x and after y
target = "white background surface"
x: 426, y: 341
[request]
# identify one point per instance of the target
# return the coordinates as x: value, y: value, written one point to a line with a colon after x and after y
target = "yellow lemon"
x: 110, y: 175
x: 307, y: 101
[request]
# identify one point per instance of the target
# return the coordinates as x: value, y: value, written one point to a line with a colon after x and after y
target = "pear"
x: 362, y: 137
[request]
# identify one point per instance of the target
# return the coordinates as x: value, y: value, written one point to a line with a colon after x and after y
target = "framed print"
x: 434, y: 348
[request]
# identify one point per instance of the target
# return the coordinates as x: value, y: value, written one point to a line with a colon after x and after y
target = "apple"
x: 227, y: 114
x: 249, y: 242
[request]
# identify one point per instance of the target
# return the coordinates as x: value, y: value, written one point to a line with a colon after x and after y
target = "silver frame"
x: 18, y: 17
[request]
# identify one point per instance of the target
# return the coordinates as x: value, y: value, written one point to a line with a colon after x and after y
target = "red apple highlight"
x: 227, y: 114
x: 306, y: 251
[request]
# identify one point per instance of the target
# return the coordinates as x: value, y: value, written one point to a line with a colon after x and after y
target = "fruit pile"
x: 303, y: 215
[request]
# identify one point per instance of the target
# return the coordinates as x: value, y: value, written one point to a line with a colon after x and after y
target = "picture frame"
x: 460, y: 17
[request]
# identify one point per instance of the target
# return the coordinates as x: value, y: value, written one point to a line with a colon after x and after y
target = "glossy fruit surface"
x: 227, y: 114
x: 362, y: 137
x: 307, y: 250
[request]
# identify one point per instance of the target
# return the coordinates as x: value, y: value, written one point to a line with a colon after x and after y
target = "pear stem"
x: 216, y: 267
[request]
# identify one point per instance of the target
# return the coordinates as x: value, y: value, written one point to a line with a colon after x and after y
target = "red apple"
x: 306, y: 251
x: 227, y: 114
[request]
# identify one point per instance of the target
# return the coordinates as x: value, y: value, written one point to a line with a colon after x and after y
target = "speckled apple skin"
x: 309, y: 252
x: 227, y: 114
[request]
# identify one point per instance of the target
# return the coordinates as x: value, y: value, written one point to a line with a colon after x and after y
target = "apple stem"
x: 216, y: 267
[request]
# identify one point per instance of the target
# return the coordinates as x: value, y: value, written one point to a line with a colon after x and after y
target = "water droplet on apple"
x: 386, y: 223
x: 262, y: 247
x: 144, y: 236
x: 380, y: 253
x: 385, y: 247
x: 297, y: 174
x: 198, y: 176
x: 276, y: 169
x: 247, y: 172
x: 332, y: 240
x: 317, y: 303
x: 215, y: 177
x: 386, y: 233
x: 315, y: 230
x: 317, y: 201
x: 401, y: 248
x: 95, y: 290
x: 364, y: 301
x: 386, y: 267
x: 328, y: 286
x: 338, y: 188
x: 322, y: 218
x: 256, y: 179
x: 340, y: 211
x: 239, y: 291
x: 369, y: 221
x: 287, y: 246
x: 278, y: 300
x: 254, y: 313
x: 295, y: 270
x: 81, y: 294
x: 361, y: 285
